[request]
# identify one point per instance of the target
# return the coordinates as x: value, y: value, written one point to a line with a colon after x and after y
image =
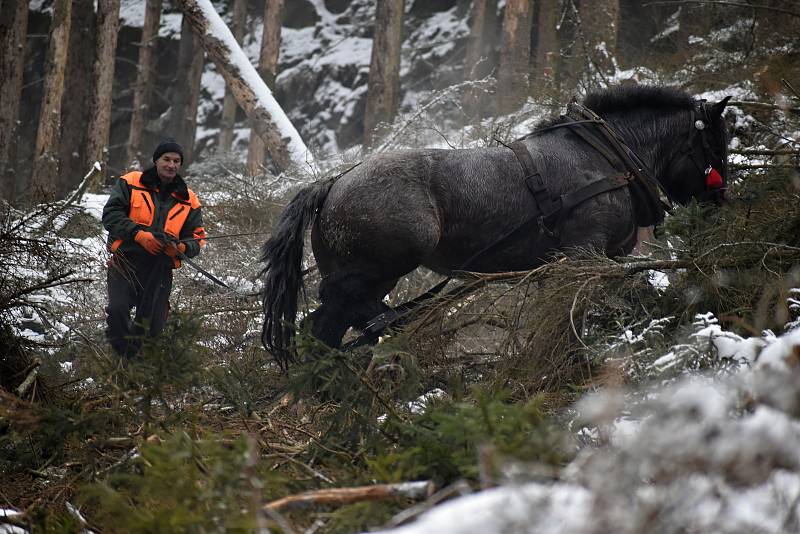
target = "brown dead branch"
x: 342, y: 496
x: 723, y: 3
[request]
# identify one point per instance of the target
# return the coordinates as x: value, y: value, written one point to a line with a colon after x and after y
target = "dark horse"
x: 577, y: 181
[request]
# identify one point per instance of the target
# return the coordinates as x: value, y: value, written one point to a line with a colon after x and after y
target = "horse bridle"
x: 705, y: 159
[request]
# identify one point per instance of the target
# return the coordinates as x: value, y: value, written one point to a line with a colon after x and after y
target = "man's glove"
x: 172, y: 249
x: 149, y: 242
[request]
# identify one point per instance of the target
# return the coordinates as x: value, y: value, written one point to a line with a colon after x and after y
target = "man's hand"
x: 172, y: 249
x: 149, y: 242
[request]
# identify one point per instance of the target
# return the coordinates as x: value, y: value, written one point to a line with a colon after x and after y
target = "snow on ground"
x: 706, y: 453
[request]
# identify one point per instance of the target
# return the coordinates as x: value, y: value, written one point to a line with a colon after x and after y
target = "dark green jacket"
x: 121, y: 229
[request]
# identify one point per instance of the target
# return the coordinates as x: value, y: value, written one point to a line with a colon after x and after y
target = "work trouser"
x: 144, y: 284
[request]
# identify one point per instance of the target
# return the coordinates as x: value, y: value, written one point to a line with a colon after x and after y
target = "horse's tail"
x: 282, y: 256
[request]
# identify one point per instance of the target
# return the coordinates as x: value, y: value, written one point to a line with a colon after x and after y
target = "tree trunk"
x: 251, y: 92
x: 186, y: 91
x: 45, y: 163
x: 512, y: 76
x: 475, y: 50
x: 100, y: 114
x: 547, y: 47
x: 384, y: 69
x: 145, y: 72
x: 477, y: 62
x: 229, y: 103
x: 596, y: 44
x: 13, y: 33
x: 77, y: 94
x: 267, y: 69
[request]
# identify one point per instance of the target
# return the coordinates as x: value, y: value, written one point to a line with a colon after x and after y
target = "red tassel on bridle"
x: 713, y: 178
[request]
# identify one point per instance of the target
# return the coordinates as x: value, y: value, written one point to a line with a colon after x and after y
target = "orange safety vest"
x: 142, y: 209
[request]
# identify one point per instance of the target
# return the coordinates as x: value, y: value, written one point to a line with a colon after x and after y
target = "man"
x: 152, y: 219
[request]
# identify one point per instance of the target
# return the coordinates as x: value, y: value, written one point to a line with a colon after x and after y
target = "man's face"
x: 167, y: 166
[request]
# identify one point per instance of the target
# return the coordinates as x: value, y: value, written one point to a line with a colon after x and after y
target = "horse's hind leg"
x: 349, y: 298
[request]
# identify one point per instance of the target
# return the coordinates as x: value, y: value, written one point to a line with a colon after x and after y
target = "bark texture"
x: 13, y: 33
x: 100, y: 114
x: 76, y: 98
x: 229, y: 105
x: 265, y: 125
x: 45, y: 163
x: 145, y: 71
x: 596, y: 44
x: 512, y: 76
x: 185, y: 93
x: 267, y: 69
x: 547, y: 46
x: 478, y: 59
x: 384, y: 69
x: 475, y: 49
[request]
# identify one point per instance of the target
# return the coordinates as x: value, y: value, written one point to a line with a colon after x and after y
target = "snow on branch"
x: 252, y: 94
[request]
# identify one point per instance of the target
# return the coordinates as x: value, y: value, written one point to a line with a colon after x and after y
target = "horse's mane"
x: 631, y: 97
x: 627, y: 97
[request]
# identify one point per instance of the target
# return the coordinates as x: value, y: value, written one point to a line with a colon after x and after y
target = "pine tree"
x: 229, y: 105
x: 13, y: 33
x: 45, y: 164
x: 77, y: 94
x: 384, y: 69
x: 476, y: 63
x: 145, y: 71
x: 512, y: 76
x: 547, y: 47
x: 270, y: 124
x: 267, y: 68
x: 596, y: 41
x: 186, y: 91
x: 100, y: 114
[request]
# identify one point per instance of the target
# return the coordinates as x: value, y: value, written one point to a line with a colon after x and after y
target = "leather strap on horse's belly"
x: 557, y: 207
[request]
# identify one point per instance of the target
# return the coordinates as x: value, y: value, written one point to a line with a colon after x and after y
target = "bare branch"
x: 723, y: 3
x: 342, y: 496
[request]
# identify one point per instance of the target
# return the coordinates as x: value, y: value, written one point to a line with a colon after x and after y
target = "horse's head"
x: 699, y: 167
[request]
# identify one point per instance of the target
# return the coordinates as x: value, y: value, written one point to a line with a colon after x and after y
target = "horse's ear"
x: 716, y: 109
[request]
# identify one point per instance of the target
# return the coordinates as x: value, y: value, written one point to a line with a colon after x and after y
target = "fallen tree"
x: 284, y: 143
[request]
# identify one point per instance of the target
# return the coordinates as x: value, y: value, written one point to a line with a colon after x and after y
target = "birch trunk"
x: 267, y: 69
x: 13, y: 33
x: 384, y: 69
x: 229, y: 103
x: 145, y: 70
x: 100, y: 114
x: 251, y: 92
x: 512, y: 76
x: 45, y: 163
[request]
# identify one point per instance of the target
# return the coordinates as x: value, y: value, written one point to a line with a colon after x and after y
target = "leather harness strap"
x: 547, y: 206
x: 648, y: 198
x: 623, y: 158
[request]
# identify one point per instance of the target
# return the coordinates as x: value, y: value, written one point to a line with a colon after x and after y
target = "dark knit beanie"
x: 167, y: 145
